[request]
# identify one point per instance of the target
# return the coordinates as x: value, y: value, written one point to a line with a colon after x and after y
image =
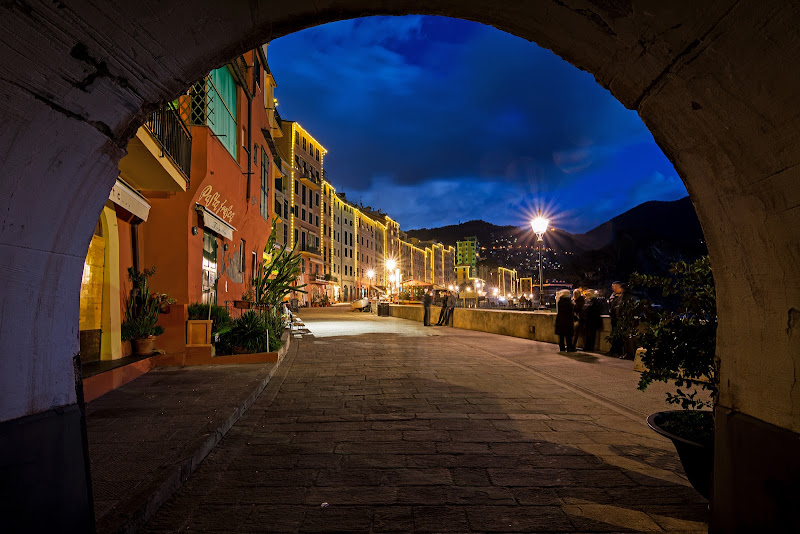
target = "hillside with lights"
x: 646, y: 239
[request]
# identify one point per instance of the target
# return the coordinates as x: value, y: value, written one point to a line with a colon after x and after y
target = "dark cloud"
x: 437, y: 120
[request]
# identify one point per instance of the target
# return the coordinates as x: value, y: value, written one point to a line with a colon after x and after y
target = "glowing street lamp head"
x: 391, y: 264
x: 539, y: 225
x: 370, y: 274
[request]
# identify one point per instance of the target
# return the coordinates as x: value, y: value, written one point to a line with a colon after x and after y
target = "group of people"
x: 578, y: 315
x: 448, y: 305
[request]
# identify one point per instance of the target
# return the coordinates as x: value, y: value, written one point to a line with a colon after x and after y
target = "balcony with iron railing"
x: 172, y: 136
x: 159, y: 156
x: 309, y: 178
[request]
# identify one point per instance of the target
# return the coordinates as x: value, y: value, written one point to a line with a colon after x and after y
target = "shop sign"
x: 213, y: 202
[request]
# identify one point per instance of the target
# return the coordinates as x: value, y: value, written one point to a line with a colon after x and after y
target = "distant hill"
x: 646, y: 238
x: 675, y: 221
x: 484, y: 231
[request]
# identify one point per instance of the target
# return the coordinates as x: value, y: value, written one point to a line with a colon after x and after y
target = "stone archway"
x: 715, y: 83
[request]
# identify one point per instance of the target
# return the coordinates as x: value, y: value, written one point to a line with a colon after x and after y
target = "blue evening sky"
x: 436, y: 120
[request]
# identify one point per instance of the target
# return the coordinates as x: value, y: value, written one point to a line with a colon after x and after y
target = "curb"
x: 131, y: 515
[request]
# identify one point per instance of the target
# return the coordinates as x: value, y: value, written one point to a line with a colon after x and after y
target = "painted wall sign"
x: 219, y: 206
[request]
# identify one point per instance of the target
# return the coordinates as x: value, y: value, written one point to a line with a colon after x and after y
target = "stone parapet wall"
x: 503, y: 322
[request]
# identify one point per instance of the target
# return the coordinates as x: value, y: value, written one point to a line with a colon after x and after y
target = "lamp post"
x: 539, y: 226
x: 390, y: 266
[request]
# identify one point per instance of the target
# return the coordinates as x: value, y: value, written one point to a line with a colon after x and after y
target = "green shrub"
x: 249, y: 332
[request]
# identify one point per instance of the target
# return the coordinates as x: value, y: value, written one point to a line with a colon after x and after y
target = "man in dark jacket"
x: 451, y: 305
x: 426, y: 303
x: 592, y: 319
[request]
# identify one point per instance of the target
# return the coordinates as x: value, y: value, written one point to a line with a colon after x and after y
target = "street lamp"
x: 539, y: 226
x: 370, y: 276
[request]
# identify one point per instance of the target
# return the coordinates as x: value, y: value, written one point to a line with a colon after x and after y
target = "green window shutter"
x: 222, y: 119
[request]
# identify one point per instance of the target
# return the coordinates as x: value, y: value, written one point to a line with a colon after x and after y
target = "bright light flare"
x: 539, y: 225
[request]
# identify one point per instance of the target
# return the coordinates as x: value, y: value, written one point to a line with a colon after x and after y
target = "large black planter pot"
x: 697, y: 458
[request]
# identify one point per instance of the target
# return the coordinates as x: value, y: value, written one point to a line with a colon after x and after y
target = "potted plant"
x: 677, y: 325
x: 205, y: 321
x: 141, y: 313
x: 247, y: 298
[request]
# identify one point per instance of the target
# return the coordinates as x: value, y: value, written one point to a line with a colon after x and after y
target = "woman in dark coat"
x: 564, y: 325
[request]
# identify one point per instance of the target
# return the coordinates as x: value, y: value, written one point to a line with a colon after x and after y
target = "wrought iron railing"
x: 173, y: 136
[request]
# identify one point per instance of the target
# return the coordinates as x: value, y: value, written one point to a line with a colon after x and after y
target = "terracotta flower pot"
x: 144, y: 346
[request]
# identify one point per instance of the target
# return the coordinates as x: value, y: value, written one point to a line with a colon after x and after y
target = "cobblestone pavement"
x: 143, y: 435
x: 383, y: 425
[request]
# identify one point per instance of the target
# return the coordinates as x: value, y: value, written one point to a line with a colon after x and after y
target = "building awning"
x: 214, y: 222
x: 130, y: 200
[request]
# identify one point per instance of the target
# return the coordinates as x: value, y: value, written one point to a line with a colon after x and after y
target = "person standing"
x: 443, y: 311
x: 451, y: 305
x: 578, y: 303
x: 614, y: 302
x: 426, y: 303
x: 564, y: 325
x: 592, y: 319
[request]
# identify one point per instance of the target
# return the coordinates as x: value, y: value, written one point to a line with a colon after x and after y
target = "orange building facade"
x: 203, y: 225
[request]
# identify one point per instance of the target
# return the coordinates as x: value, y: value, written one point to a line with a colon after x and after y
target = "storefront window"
x: 210, y: 272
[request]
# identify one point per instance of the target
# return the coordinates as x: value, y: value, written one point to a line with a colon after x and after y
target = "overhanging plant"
x: 678, y: 325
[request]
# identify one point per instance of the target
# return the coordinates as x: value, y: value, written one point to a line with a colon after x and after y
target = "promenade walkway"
x: 377, y: 424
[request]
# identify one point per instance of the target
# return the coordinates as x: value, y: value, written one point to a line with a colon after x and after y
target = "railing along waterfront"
x: 173, y: 137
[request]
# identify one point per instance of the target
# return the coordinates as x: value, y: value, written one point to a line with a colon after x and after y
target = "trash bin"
x: 383, y: 309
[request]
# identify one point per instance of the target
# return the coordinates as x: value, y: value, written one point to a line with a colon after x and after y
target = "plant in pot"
x: 678, y: 324
x: 141, y: 313
x: 218, y: 315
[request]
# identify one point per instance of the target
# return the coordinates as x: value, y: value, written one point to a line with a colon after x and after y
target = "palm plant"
x: 275, y: 277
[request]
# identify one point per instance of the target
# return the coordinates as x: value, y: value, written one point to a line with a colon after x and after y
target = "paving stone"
x: 337, y: 519
x: 395, y: 519
x: 518, y: 519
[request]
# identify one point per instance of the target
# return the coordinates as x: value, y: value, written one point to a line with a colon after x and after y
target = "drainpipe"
x: 135, y: 244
